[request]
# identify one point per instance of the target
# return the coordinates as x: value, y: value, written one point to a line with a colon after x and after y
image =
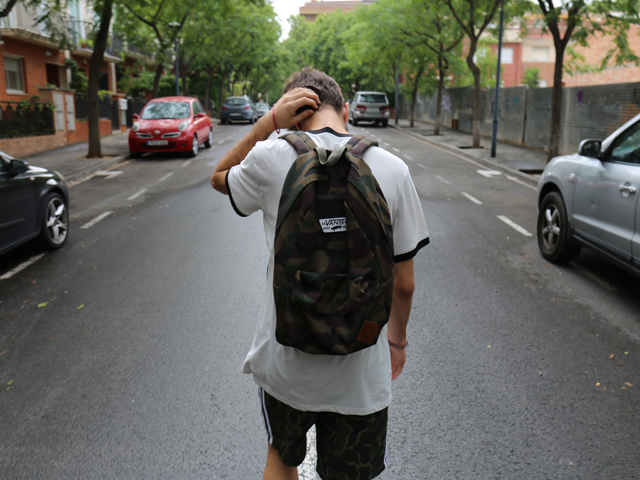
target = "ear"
x: 345, y: 112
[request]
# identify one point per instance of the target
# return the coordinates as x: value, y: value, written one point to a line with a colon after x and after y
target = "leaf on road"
x: 81, y: 306
x: 9, y: 382
x: 598, y: 384
x: 612, y: 356
x: 488, y: 346
x: 43, y: 304
x: 628, y: 384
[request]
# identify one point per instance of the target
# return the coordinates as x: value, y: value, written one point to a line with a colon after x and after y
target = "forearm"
x: 402, y: 299
x: 261, y: 131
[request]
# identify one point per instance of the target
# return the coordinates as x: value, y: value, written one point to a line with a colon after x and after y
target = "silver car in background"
x: 369, y: 107
x: 590, y: 199
x: 262, y: 108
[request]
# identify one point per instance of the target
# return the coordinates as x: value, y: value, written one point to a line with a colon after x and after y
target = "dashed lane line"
x: 472, y: 198
x: 221, y: 141
x: 490, y: 173
x: 22, y: 266
x: 409, y: 158
x: 186, y: 163
x: 422, y: 166
x: 443, y: 180
x: 395, y: 149
x: 515, y: 226
x: 165, y: 177
x: 137, y: 194
x: 102, y: 216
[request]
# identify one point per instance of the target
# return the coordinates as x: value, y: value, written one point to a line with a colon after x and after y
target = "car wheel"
x: 251, y: 121
x: 135, y: 155
x: 385, y: 123
x: 194, y: 147
x: 553, y: 230
x: 55, y: 222
x: 354, y: 122
x: 223, y: 122
x: 209, y: 141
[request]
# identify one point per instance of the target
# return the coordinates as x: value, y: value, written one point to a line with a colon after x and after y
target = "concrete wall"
x: 524, y: 114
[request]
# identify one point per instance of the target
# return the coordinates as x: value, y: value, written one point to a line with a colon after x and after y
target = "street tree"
x: 576, y: 21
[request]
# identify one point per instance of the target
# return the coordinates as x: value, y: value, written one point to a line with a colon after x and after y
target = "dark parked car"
x: 590, y: 199
x: 33, y: 202
x: 238, y: 109
x: 262, y: 108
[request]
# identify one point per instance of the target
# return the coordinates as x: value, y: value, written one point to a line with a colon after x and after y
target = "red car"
x: 170, y: 124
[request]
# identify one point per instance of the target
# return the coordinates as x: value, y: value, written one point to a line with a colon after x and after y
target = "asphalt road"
x: 120, y: 354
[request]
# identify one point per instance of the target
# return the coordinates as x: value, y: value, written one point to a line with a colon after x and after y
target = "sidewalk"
x: 524, y: 163
x: 70, y: 161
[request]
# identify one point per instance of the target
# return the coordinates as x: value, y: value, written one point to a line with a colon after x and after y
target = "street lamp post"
x: 494, y: 136
x: 176, y: 25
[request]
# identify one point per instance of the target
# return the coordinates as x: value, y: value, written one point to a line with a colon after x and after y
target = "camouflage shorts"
x: 350, y: 447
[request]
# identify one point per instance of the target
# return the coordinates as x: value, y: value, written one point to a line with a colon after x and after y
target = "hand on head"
x: 291, y: 102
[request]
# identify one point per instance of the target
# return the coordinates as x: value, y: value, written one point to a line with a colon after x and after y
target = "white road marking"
x: 227, y: 138
x: 185, y: 163
x: 395, y: 149
x: 22, y: 266
x: 600, y: 281
x: 490, y: 173
x: 443, y: 180
x: 409, y: 158
x: 384, y: 143
x: 515, y: 226
x: 91, y: 223
x: 109, y: 173
x: 514, y: 179
x: 472, y: 198
x: 165, y: 177
x: 421, y: 165
x: 137, y: 194
x: 221, y: 142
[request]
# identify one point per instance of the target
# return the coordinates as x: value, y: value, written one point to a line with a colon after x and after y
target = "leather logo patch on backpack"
x: 333, y: 225
x: 368, y: 332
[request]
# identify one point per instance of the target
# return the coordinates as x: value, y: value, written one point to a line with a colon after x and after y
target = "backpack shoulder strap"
x: 358, y: 144
x: 300, y: 141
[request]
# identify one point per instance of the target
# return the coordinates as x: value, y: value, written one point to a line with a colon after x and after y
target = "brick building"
x: 312, y: 9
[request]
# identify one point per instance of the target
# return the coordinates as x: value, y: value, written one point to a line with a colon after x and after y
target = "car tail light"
x: 384, y: 109
x: 224, y: 108
x: 361, y: 108
x: 246, y: 107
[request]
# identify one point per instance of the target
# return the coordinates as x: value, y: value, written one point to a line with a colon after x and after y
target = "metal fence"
x: 82, y: 107
x: 21, y: 119
x: 524, y: 114
x: 134, y: 105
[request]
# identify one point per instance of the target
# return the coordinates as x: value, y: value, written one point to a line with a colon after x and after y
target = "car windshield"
x: 235, y: 101
x: 373, y: 98
x: 162, y: 110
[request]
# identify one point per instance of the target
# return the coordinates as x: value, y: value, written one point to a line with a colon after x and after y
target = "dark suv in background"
x: 369, y: 107
x: 238, y: 109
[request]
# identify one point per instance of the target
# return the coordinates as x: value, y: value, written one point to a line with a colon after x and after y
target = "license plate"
x: 153, y: 143
x: 236, y: 114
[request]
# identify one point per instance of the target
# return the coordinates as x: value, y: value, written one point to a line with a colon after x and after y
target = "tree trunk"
x: 476, y: 93
x: 221, y: 93
x: 183, y: 74
x: 414, y: 97
x: 206, y: 94
x: 156, y: 80
x: 556, y: 103
x: 436, y: 129
x: 99, y: 47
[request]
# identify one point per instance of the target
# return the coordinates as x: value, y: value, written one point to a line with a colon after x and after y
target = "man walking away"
x: 344, y: 394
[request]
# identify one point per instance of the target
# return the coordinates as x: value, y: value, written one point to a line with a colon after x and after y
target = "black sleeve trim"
x: 233, y: 204
x: 412, y: 253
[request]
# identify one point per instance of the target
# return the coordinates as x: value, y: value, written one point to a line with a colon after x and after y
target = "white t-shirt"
x: 355, y: 384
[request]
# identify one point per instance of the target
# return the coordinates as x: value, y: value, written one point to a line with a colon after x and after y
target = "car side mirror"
x: 135, y: 116
x: 200, y: 115
x: 18, y: 166
x: 590, y: 148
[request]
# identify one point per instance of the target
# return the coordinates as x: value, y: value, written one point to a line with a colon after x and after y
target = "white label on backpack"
x: 334, y: 225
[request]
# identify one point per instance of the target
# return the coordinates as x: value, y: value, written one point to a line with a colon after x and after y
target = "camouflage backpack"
x: 333, y: 271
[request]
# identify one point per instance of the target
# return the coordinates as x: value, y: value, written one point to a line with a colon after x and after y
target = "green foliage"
x: 136, y: 84
x: 531, y: 77
x: 79, y: 80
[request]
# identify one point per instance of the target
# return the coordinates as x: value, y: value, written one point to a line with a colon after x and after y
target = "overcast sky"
x: 284, y: 9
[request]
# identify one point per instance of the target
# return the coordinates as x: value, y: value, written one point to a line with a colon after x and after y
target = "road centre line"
x: 472, y: 198
x: 91, y: 223
x: 600, y: 281
x: 185, y: 163
x: 137, y: 194
x: 463, y: 158
x: 395, y: 149
x: 22, y: 266
x: 409, y: 158
x: 165, y: 177
x: 443, y: 180
x: 515, y: 226
x: 421, y: 165
x: 221, y: 142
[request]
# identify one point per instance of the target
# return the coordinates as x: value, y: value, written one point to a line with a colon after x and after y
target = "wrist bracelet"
x: 398, y: 347
x: 273, y: 114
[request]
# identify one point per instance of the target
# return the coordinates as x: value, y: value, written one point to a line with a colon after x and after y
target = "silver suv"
x: 590, y: 199
x: 369, y: 107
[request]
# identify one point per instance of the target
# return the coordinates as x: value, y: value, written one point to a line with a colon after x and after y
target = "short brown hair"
x: 326, y: 87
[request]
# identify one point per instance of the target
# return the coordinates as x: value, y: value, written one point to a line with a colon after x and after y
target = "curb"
x: 87, y: 172
x: 483, y: 161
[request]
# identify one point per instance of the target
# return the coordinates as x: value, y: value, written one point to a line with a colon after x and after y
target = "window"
x: 170, y: 110
x: 540, y: 54
x: 542, y: 83
x: 13, y: 71
x: 507, y: 56
x: 626, y: 148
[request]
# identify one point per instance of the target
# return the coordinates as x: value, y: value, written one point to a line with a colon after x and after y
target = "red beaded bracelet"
x: 398, y: 347
x: 273, y: 113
